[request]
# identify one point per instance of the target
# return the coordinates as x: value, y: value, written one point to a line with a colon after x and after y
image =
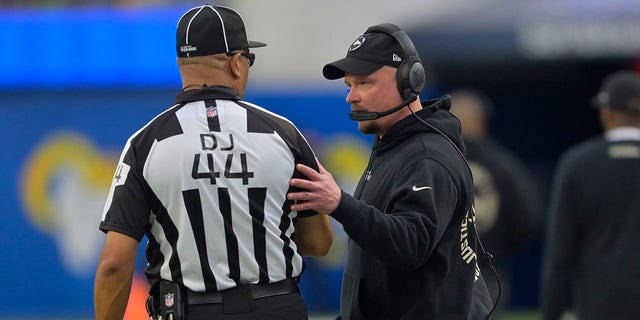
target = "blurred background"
x: 78, y: 77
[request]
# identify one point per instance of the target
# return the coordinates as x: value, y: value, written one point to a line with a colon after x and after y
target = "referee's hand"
x: 320, y: 191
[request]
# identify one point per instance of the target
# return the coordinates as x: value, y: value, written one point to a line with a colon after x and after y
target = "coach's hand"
x: 320, y: 191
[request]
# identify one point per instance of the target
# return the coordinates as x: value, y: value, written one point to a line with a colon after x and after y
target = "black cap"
x: 368, y: 53
x: 209, y: 29
x: 620, y: 90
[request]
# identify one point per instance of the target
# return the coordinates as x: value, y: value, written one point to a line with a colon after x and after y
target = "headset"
x: 411, y: 75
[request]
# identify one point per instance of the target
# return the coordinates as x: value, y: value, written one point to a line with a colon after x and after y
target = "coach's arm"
x: 114, y: 275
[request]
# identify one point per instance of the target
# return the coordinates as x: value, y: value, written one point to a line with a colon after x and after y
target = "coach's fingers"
x: 305, y: 201
x: 309, y: 172
x: 302, y: 183
x: 300, y: 206
x: 300, y: 195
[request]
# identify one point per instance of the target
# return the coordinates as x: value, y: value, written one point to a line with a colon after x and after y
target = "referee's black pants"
x: 280, y: 307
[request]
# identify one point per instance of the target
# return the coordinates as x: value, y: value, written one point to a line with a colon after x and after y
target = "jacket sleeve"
x: 419, y: 206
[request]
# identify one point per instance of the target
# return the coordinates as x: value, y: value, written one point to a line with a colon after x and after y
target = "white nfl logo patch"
x: 168, y: 300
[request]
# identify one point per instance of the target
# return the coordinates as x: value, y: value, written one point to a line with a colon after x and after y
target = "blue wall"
x: 89, y: 47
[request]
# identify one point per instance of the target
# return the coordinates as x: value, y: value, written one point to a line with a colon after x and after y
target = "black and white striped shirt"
x: 206, y: 181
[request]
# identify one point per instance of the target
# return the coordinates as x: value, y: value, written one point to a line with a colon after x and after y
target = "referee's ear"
x: 235, y: 64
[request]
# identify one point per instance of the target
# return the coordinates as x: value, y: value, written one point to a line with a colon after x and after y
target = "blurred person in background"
x: 507, y: 199
x: 591, y: 264
x: 413, y: 251
x: 206, y: 182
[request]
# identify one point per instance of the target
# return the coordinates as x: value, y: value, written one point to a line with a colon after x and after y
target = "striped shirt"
x: 206, y: 182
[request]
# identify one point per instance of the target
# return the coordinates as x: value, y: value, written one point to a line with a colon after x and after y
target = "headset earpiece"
x: 411, y: 76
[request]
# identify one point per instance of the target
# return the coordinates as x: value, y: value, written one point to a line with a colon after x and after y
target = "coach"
x: 413, y: 250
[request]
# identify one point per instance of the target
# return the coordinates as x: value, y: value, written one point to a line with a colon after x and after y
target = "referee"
x: 206, y: 182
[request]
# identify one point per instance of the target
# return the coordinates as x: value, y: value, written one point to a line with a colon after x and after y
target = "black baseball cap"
x: 368, y: 53
x: 620, y: 90
x: 210, y: 29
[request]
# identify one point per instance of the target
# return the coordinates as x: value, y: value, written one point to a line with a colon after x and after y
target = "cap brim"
x: 256, y: 44
x: 337, y: 69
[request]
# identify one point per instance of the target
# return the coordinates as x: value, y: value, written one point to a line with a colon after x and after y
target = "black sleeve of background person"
x: 259, y: 121
x: 521, y: 203
x: 524, y: 200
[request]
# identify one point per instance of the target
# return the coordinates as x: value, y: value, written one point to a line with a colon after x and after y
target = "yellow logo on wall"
x: 64, y: 184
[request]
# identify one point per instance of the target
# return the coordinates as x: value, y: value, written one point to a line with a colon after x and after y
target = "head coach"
x: 413, y: 249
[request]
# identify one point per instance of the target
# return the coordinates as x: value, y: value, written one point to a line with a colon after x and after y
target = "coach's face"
x: 374, y: 92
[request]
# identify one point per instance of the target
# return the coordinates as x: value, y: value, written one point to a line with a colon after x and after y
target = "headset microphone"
x: 361, y: 116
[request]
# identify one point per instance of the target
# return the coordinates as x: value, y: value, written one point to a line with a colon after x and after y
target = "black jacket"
x: 591, y: 258
x: 412, y: 250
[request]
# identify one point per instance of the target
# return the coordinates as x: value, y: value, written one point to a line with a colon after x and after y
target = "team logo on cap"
x: 357, y: 44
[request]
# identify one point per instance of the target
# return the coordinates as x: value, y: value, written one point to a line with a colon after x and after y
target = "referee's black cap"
x: 210, y: 29
x: 620, y: 90
x: 368, y: 53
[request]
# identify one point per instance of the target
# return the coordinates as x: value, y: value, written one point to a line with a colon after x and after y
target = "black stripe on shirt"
x: 256, y: 122
x: 171, y: 233
x: 257, y: 198
x: 171, y: 126
x: 213, y: 121
x: 231, y: 240
x: 285, y: 222
x: 193, y: 205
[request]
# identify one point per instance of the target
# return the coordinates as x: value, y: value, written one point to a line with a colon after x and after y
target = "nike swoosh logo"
x: 414, y: 188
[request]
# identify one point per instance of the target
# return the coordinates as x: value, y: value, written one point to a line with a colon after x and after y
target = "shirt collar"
x: 206, y: 93
x: 623, y: 133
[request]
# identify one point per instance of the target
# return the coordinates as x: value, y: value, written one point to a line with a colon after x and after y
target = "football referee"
x: 206, y: 182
